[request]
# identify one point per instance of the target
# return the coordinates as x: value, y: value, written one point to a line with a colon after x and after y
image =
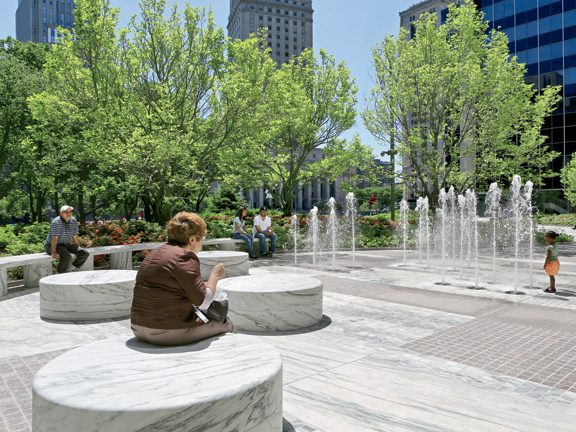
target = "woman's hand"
x: 219, y: 271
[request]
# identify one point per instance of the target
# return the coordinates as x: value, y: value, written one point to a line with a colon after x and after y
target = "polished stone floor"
x: 395, y: 350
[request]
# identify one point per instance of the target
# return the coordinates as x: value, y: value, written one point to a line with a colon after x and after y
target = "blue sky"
x: 345, y: 28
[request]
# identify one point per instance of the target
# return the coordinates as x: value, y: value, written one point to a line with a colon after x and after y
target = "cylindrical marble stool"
x: 87, y: 295
x: 231, y: 382
x: 273, y: 302
x: 236, y: 263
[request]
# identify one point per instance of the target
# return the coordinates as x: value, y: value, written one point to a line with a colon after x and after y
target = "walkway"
x: 395, y: 351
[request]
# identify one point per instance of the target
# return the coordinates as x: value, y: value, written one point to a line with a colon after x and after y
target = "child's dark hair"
x: 551, y: 234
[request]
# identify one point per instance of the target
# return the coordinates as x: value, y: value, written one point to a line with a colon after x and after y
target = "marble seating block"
x: 236, y: 263
x: 89, y: 295
x: 231, y: 382
x: 273, y: 302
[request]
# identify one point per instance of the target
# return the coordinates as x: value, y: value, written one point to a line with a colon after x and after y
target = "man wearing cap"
x: 63, y: 229
x: 263, y: 230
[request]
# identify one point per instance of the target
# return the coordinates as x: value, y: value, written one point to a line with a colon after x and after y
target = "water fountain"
x: 332, y: 229
x: 314, y: 227
x: 462, y: 208
x: 452, y: 202
x: 442, y: 213
x: 404, y: 219
x: 423, y: 228
x: 492, y: 208
x: 472, y: 207
x: 528, y: 208
x: 295, y: 226
x: 351, y: 214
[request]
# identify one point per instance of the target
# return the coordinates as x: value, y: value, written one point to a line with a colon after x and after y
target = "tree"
x: 160, y: 106
x: 21, y: 75
x: 568, y: 174
x: 315, y: 98
x: 458, y: 105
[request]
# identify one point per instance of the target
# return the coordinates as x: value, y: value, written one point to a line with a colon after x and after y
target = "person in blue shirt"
x: 238, y: 231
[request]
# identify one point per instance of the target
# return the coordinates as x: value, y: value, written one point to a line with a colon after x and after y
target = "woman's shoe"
x: 253, y: 257
x: 550, y: 290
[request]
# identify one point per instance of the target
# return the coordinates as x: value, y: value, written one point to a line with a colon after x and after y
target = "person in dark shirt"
x: 169, y: 288
x: 63, y: 229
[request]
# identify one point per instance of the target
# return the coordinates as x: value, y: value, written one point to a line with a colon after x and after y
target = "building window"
x: 277, y: 20
x: 294, y: 13
x: 269, y: 19
x: 277, y: 36
x: 278, y: 45
x: 286, y: 29
x: 295, y: 22
x: 270, y: 10
x: 278, y: 53
x: 286, y: 55
x: 277, y: 11
x: 45, y: 39
x: 44, y: 20
x: 286, y: 12
x: 252, y: 7
x: 251, y: 16
x: 286, y: 21
x: 286, y: 46
x: 295, y: 39
x: 261, y: 18
x: 269, y: 36
x: 44, y: 10
x: 295, y: 47
x: 277, y: 28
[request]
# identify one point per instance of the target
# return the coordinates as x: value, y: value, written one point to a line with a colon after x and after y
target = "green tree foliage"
x: 314, y: 97
x: 161, y: 107
x: 568, y: 174
x: 21, y: 75
x: 461, y: 111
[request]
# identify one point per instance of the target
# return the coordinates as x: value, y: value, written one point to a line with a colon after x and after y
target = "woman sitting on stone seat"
x: 169, y: 285
x: 239, y: 232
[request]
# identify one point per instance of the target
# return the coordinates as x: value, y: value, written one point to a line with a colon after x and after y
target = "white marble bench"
x: 273, y: 302
x: 229, y: 244
x: 231, y: 382
x: 236, y: 263
x: 37, y: 266
x: 89, y: 295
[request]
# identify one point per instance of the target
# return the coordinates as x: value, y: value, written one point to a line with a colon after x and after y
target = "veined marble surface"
x: 87, y: 295
x: 275, y: 302
x: 236, y: 263
x: 231, y: 382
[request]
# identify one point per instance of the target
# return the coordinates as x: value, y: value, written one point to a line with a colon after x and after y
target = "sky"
x: 346, y: 29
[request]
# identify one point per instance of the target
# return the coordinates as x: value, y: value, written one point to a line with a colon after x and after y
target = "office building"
x: 38, y: 20
x: 542, y: 34
x: 287, y: 23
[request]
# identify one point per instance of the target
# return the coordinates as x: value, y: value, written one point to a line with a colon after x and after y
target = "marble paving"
x: 369, y: 364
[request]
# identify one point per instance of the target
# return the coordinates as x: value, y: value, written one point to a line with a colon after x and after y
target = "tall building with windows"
x: 288, y: 24
x: 542, y: 34
x: 38, y: 20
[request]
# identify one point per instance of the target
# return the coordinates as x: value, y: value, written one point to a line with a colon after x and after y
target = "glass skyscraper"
x: 542, y: 34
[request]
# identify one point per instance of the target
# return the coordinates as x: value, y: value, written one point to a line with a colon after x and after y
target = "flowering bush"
x: 119, y: 233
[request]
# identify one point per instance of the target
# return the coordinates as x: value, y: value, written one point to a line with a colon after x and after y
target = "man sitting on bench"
x: 263, y: 230
x: 63, y: 229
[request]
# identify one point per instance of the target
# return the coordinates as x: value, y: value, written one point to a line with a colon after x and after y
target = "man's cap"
x: 263, y: 209
x: 66, y: 207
